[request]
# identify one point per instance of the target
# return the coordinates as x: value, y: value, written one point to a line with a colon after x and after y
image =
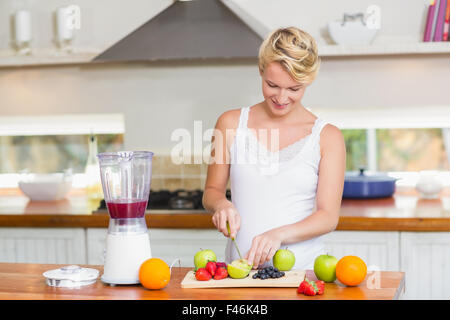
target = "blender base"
x: 114, y: 282
x: 124, y: 256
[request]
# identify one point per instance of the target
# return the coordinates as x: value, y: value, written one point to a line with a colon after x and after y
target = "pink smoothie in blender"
x: 125, y: 208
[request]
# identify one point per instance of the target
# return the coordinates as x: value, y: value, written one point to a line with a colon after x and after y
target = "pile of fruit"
x: 216, y: 270
x: 349, y: 270
x: 207, y: 268
x: 311, y: 288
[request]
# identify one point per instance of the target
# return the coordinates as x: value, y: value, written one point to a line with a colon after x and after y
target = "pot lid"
x: 362, y: 177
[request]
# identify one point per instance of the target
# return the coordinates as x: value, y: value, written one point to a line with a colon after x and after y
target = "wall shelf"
x: 43, y: 57
x: 47, y: 57
x: 385, y: 49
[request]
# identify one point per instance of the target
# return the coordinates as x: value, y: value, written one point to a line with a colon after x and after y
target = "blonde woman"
x: 286, y: 166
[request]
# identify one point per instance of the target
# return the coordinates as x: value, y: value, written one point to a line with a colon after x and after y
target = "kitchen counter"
x: 405, y: 211
x: 25, y: 282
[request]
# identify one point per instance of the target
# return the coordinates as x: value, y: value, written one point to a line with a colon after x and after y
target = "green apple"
x: 239, y: 269
x: 283, y: 259
x: 325, y: 268
x: 202, y: 257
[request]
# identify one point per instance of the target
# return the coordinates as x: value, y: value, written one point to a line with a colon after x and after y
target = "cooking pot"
x: 363, y: 186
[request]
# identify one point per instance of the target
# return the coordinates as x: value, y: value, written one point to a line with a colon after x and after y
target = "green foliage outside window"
x: 355, y: 145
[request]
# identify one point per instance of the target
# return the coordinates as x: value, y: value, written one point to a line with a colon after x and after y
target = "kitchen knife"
x: 234, y: 241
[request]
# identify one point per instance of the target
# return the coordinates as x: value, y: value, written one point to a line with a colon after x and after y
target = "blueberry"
x: 262, y: 271
x: 255, y: 276
x: 282, y: 273
x: 275, y: 270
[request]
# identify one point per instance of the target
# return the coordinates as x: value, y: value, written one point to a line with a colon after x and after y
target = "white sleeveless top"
x: 270, y: 189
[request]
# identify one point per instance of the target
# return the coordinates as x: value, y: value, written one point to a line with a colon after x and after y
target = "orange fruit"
x: 154, y: 273
x: 351, y: 270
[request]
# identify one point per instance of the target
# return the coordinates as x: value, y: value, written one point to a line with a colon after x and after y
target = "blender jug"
x: 126, y: 178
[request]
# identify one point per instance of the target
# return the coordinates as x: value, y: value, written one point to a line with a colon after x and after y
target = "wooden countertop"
x: 26, y: 282
x: 405, y: 211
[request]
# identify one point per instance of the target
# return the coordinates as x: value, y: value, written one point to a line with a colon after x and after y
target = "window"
x: 398, y: 149
x: 401, y: 142
x: 45, y: 144
x: 411, y: 150
x: 51, y: 153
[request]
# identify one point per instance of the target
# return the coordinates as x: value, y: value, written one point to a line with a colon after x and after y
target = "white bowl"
x: 46, y: 187
x: 352, y: 32
x: 429, y: 184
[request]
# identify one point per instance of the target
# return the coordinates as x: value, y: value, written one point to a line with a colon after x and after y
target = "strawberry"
x: 221, y: 273
x: 320, y: 286
x: 301, y: 287
x: 309, y: 290
x: 221, y: 265
x: 211, y: 267
x: 203, y: 275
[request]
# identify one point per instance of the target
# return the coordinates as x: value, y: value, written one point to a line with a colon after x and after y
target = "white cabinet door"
x: 167, y: 244
x: 377, y: 248
x: 96, y: 240
x: 43, y: 245
x: 425, y: 258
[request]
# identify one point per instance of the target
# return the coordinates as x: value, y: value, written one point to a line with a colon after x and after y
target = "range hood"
x: 198, y: 29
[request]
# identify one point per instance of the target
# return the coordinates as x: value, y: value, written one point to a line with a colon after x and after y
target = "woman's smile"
x: 280, y: 105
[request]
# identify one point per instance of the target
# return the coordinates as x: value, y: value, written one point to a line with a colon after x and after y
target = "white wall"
x: 103, y: 22
x: 401, y: 20
x: 160, y: 97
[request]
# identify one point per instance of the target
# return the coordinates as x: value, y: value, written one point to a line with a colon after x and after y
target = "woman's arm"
x: 329, y: 195
x: 214, y: 198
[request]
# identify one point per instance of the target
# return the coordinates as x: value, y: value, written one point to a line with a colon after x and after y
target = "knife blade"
x: 234, y: 241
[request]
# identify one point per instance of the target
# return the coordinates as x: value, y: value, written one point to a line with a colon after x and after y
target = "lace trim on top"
x: 255, y: 147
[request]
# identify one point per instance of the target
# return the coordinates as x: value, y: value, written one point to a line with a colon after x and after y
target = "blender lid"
x: 125, y: 155
x: 71, y: 276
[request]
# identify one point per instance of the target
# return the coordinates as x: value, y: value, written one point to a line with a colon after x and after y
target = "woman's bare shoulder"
x: 229, y: 119
x: 332, y: 138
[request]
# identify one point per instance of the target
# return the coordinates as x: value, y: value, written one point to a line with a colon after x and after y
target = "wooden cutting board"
x: 291, y: 279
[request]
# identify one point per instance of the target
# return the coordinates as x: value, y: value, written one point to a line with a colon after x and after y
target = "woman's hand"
x: 224, y: 213
x: 264, y: 247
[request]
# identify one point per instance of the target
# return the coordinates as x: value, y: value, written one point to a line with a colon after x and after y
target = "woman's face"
x: 281, y: 92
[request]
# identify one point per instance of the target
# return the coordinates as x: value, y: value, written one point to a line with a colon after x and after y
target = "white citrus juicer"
x: 126, y: 177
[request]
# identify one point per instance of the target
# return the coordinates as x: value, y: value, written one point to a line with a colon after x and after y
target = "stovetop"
x: 173, y: 200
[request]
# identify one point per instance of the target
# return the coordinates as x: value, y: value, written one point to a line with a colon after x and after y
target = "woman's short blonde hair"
x: 295, y: 50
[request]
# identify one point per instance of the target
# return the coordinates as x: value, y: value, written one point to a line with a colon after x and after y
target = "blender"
x: 126, y: 177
